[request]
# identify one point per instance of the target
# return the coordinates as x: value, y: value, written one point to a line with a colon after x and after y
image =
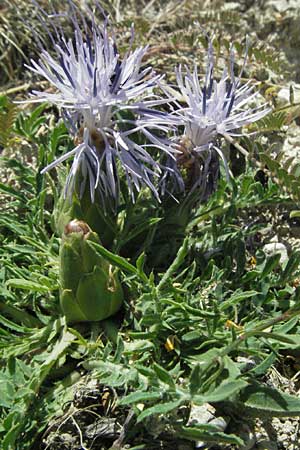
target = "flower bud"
x: 90, y: 286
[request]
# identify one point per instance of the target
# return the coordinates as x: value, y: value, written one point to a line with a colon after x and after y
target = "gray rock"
x: 201, y: 414
x: 283, y: 96
x: 274, y: 248
x: 282, y: 5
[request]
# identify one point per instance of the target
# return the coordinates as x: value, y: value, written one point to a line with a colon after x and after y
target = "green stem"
x: 182, y: 252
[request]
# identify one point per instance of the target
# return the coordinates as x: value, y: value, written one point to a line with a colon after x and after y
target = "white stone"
x: 276, y: 247
x: 283, y: 96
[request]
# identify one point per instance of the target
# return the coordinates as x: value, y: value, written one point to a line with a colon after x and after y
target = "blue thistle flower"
x: 105, y: 100
x: 212, y: 110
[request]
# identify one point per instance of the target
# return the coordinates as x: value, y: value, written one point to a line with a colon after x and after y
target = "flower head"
x: 217, y: 107
x: 213, y: 109
x: 105, y: 101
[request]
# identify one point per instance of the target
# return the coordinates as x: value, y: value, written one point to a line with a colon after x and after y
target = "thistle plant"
x: 207, y: 112
x: 206, y: 313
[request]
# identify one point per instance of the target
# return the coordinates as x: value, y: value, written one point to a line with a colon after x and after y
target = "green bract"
x: 81, y: 208
x: 90, y: 286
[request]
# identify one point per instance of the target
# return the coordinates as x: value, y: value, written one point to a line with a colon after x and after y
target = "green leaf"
x: 116, y: 260
x: 199, y: 433
x: 142, y: 334
x: 161, y: 408
x: 236, y: 298
x: 191, y: 336
x: 10, y: 438
x: 10, y: 191
x: 13, y: 326
x: 138, y: 345
x: 140, y: 397
x: 270, y: 264
x: 140, y: 265
x: 262, y: 368
x: 17, y: 314
x: 286, y: 326
x: 221, y: 393
x: 139, y: 229
x: 27, y: 285
x: 195, y: 380
x: 163, y: 375
x: 66, y: 339
x: 287, y: 339
x: 291, y: 266
x: 262, y: 401
x: 36, y: 112
x: 182, y: 252
x: 231, y: 367
x: 295, y: 213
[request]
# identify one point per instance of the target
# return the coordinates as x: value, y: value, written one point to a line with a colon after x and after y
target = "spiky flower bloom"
x: 105, y: 101
x: 212, y: 110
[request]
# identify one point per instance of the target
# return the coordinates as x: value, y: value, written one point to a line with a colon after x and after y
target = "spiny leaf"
x: 263, y: 401
x: 200, y: 433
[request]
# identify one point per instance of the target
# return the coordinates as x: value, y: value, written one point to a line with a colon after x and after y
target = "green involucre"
x: 90, y: 286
